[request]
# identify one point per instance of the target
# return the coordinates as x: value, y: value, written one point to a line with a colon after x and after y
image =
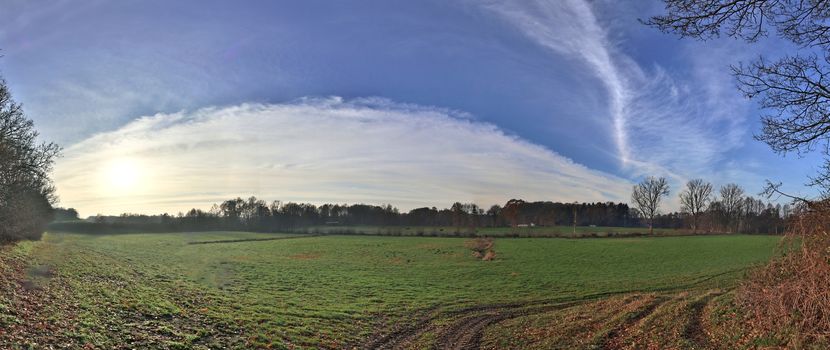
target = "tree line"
x: 732, y: 212
x: 729, y: 210
x: 258, y: 215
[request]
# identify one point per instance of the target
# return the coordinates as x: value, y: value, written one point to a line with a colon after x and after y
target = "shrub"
x: 482, y: 248
x: 490, y: 255
x: 790, y: 297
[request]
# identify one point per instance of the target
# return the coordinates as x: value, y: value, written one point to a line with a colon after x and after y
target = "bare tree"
x: 732, y: 199
x: 26, y: 190
x: 647, y: 195
x: 795, y: 88
x: 694, y: 199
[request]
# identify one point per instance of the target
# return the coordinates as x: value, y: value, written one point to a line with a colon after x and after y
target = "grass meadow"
x: 300, y: 291
x: 523, y: 232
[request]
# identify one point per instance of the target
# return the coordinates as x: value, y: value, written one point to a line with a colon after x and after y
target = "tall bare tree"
x: 647, y: 195
x: 694, y: 199
x: 794, y: 88
x: 732, y: 199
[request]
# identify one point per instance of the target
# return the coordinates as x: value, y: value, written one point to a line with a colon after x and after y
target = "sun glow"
x: 121, y: 176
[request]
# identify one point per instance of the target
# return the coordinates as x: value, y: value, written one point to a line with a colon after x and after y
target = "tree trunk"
x: 694, y: 224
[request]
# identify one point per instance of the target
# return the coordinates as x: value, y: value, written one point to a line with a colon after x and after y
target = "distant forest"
x: 253, y: 214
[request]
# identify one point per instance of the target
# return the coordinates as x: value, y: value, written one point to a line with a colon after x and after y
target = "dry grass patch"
x: 305, y: 256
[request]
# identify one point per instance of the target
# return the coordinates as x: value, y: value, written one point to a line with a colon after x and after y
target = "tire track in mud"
x: 467, y: 327
x: 693, y: 332
x: 407, y: 334
x: 467, y: 332
x: 613, y: 338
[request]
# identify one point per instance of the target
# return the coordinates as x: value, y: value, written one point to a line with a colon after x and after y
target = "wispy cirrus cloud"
x: 570, y: 28
x: 318, y: 150
x: 662, y: 123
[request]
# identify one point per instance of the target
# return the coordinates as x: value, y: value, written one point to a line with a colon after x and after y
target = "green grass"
x: 327, y: 291
x: 536, y: 231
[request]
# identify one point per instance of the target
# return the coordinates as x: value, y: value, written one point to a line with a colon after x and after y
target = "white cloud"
x: 569, y: 27
x: 662, y: 125
x: 318, y: 150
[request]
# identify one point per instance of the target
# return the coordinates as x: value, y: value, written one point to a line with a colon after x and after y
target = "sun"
x: 122, y: 175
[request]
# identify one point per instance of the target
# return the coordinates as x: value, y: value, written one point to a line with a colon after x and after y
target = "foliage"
x: 482, y: 248
x: 518, y: 217
x: 26, y: 191
x: 255, y: 214
x: 65, y: 214
x: 790, y: 297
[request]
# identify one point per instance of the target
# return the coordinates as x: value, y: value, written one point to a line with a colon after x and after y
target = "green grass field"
x: 536, y: 231
x: 333, y: 291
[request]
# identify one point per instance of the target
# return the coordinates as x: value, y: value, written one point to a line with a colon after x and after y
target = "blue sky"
x: 508, y: 99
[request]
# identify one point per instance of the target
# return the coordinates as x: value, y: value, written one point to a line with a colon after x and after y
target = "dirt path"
x: 467, y: 327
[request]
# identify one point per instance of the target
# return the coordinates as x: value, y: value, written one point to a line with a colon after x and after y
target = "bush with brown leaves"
x: 789, y: 299
x: 482, y: 248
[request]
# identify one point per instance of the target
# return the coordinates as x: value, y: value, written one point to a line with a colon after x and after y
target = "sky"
x: 164, y: 106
